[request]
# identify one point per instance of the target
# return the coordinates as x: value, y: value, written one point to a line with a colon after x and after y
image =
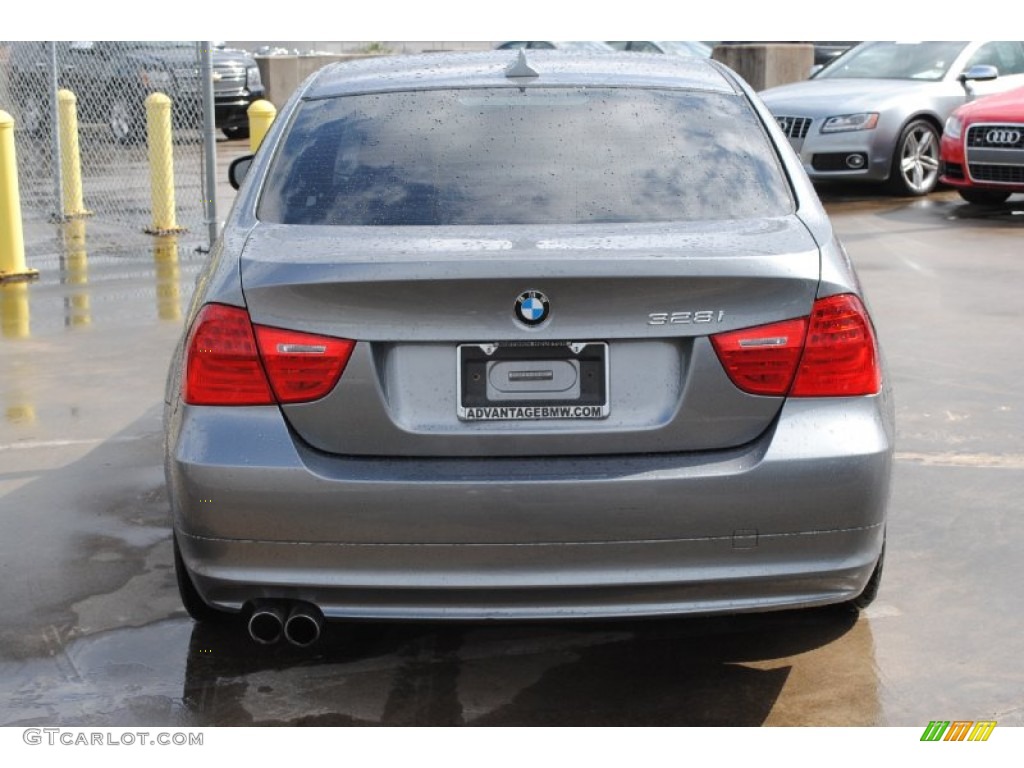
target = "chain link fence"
x: 111, y: 81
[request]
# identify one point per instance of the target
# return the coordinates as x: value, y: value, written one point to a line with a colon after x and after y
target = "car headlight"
x: 252, y: 77
x: 954, y: 127
x: 156, y: 79
x: 862, y: 121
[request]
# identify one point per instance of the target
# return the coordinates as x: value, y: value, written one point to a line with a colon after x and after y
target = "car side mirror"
x: 977, y: 73
x: 238, y: 169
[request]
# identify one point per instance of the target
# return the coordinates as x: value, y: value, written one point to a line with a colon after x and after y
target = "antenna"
x: 521, y: 68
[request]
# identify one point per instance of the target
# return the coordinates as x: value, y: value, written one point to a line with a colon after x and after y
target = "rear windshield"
x: 524, y: 156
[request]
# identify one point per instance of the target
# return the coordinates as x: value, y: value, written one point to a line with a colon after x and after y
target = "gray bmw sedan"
x: 525, y: 336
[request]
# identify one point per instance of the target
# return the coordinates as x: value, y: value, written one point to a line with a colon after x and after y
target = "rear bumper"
x: 431, y: 582
x: 795, y: 518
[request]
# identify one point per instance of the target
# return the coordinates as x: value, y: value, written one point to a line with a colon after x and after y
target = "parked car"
x: 593, y: 46
x: 671, y: 47
x: 876, y: 113
x: 111, y: 80
x: 237, y: 83
x: 471, y: 373
x: 983, y: 148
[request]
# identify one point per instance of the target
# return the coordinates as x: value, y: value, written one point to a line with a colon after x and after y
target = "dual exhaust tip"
x: 299, y: 623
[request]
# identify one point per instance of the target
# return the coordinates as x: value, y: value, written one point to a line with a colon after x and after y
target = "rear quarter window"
x: 524, y: 156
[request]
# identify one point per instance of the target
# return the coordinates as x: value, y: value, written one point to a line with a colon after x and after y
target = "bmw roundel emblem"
x: 532, y: 307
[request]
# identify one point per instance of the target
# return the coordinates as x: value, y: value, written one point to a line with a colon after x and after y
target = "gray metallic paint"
x: 796, y: 517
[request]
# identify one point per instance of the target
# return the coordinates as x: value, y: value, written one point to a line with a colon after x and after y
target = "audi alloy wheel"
x: 916, y: 160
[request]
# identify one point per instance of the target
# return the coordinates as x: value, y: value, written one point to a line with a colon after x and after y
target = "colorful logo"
x: 958, y: 730
x: 532, y: 307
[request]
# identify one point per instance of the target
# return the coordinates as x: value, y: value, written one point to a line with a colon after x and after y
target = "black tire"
x: 236, y: 131
x: 984, y: 196
x: 915, y: 160
x: 870, y: 591
x: 194, y: 604
x: 126, y: 121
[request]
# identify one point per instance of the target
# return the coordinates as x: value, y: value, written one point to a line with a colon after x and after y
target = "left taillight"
x: 230, y: 361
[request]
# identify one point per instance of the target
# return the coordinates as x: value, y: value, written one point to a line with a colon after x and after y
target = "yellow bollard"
x: 12, y: 236
x: 70, y: 156
x: 161, y: 165
x: 261, y: 116
x: 75, y: 272
x: 168, y: 291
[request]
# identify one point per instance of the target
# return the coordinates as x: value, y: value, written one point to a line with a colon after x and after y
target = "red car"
x: 983, y: 148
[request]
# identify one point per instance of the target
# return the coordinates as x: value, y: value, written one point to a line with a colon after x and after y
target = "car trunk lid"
x: 643, y: 299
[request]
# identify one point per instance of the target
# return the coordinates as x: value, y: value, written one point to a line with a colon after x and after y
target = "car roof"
x: 489, y: 68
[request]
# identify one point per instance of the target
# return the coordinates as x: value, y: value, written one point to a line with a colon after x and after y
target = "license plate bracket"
x: 527, y: 381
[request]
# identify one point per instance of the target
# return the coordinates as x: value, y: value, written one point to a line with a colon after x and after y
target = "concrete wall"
x: 282, y: 74
x: 765, y: 65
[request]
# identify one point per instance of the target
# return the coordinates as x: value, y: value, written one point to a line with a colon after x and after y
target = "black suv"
x: 112, y: 79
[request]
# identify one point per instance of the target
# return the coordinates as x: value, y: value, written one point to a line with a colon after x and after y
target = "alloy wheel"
x: 919, y: 158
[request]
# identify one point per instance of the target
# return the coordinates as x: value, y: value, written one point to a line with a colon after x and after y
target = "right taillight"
x: 832, y: 353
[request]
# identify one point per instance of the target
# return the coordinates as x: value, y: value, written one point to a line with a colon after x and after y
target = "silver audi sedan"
x: 875, y: 113
x: 525, y: 335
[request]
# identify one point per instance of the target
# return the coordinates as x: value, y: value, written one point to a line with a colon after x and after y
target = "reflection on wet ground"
x: 665, y: 672
x: 94, y: 282
x: 858, y: 196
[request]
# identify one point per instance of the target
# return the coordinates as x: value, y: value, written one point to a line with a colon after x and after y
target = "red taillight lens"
x: 302, y: 366
x: 831, y: 354
x: 222, y: 366
x: 229, y: 361
x: 762, y: 360
x: 841, y: 353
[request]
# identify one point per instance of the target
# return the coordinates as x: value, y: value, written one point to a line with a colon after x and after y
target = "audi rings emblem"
x: 1005, y: 136
x: 532, y: 308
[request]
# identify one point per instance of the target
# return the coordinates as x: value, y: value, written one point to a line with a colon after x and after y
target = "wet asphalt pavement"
x: 92, y: 631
